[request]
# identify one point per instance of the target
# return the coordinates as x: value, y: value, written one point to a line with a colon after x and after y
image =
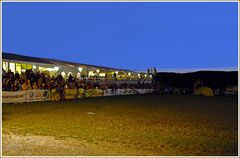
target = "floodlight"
x: 80, y: 69
x: 63, y: 74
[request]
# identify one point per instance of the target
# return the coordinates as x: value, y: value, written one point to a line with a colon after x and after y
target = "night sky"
x: 135, y: 36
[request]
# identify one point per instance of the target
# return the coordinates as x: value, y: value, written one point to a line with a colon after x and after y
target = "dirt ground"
x: 49, y: 146
x: 147, y: 125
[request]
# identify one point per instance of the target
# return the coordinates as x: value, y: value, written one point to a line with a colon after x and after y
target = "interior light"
x: 56, y: 68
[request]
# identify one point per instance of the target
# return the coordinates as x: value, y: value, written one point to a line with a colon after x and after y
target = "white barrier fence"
x: 37, y: 95
x: 44, y: 95
x: 24, y: 96
x: 120, y: 81
x: 13, y: 97
x: 111, y: 92
x: 126, y: 91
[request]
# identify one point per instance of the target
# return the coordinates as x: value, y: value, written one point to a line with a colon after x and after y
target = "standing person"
x: 23, y: 76
x: 16, y: 85
x: 32, y: 78
x: 47, y: 79
x: 26, y: 85
x: 40, y: 81
x: 56, y: 90
x: 61, y: 89
x: 70, y: 78
x: 8, y: 85
x: 19, y: 86
x: 17, y: 76
x: 35, y: 85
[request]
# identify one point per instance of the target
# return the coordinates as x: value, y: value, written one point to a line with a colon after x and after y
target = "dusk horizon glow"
x: 134, y: 36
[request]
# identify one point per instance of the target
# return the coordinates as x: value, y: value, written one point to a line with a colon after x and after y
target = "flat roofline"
x: 18, y: 57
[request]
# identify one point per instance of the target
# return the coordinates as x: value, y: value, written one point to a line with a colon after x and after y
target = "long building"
x: 21, y: 63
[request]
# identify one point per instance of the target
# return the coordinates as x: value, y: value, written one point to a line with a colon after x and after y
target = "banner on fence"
x: 81, y: 93
x: 148, y: 90
x: 94, y: 92
x: 70, y: 93
x: 43, y: 95
x: 14, y: 96
x: 144, y: 91
x: 37, y: 95
x: 109, y: 92
x: 54, y: 95
x: 141, y: 91
x: 126, y: 91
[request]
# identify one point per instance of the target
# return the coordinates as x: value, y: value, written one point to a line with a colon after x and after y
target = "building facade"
x: 20, y: 63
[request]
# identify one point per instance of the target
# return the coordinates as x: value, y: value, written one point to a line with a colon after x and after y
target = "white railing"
x: 46, y: 95
x: 120, y: 81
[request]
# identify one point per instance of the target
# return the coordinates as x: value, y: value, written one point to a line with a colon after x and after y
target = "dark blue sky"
x: 125, y: 35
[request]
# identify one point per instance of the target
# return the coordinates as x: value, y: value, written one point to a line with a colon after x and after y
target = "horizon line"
x: 187, y: 70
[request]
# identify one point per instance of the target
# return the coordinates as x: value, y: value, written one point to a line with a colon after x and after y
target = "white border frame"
x: 137, y: 1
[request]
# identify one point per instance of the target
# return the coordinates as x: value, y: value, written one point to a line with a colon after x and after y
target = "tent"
x: 205, y: 91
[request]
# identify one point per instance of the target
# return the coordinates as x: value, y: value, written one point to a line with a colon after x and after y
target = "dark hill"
x: 213, y: 79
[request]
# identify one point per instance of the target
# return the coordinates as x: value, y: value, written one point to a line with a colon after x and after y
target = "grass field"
x: 125, y: 125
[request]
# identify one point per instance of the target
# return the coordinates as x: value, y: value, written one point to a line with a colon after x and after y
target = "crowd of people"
x: 29, y: 80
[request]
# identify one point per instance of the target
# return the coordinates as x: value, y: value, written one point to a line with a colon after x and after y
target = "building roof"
x: 17, y: 57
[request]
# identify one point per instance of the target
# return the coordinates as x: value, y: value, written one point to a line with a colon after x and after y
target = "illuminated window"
x: 24, y: 66
x: 91, y: 73
x: 102, y: 74
x: 12, y: 67
x: 18, y: 68
x: 5, y: 66
x: 29, y: 66
x: 41, y: 69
